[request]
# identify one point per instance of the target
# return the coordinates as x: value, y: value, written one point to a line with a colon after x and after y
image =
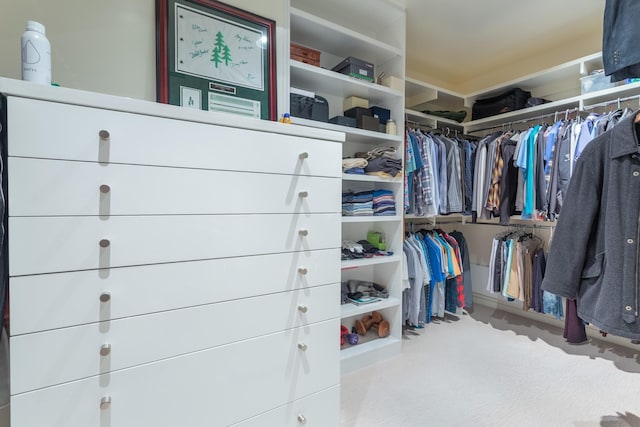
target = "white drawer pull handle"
x: 303, y: 308
x: 301, y: 419
x: 104, y: 135
x: 105, y: 297
x: 302, y: 346
x: 105, y: 349
x: 104, y: 189
x: 105, y: 402
x: 303, y: 194
x: 304, y: 155
x: 104, y: 243
x: 303, y: 232
x: 303, y: 270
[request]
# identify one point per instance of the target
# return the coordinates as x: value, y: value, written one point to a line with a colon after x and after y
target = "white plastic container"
x: 36, y: 54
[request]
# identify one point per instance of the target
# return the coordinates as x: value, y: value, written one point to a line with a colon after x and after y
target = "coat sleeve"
x: 576, y: 230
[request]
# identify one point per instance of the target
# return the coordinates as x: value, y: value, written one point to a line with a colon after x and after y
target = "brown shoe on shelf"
x: 377, y: 318
x: 383, y: 329
x: 364, y: 324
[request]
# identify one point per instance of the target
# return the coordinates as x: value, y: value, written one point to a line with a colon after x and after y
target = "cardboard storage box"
x: 355, y: 67
x: 354, y: 101
x: 368, y: 123
x: 393, y: 82
x: 304, y: 54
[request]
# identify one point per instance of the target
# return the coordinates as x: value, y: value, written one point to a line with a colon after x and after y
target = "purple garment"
x: 574, y: 329
x: 539, y: 265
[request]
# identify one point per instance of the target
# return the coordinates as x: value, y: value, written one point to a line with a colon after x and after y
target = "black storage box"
x: 343, y: 121
x: 309, y: 108
x: 357, y: 112
x: 355, y: 67
x: 382, y: 114
x: 514, y: 99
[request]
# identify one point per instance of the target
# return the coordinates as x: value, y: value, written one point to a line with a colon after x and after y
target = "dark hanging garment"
x: 621, y: 39
x: 466, y: 268
x: 508, y: 183
x: 574, y: 329
x: 539, y: 265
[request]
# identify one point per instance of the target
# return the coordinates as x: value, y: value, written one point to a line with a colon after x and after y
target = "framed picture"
x: 215, y: 57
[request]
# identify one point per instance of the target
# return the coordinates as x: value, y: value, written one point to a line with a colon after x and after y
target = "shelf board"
x: 440, y: 219
x: 365, y: 262
x: 611, y: 94
x: 359, y: 349
x: 419, y: 94
x: 371, y: 178
x: 570, y: 70
x: 323, y: 81
x: 350, y: 310
x: 308, y: 30
x: 371, y: 218
x: 353, y: 134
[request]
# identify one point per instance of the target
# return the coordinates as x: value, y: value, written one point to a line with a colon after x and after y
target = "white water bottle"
x: 36, y: 54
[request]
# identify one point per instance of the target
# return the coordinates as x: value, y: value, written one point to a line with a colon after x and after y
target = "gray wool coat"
x: 594, y: 252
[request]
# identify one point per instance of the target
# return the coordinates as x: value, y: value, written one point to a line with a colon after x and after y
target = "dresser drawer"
x: 41, y: 302
x: 215, y: 387
x: 318, y: 410
x: 73, y: 133
x: 52, y: 187
x: 56, y: 244
x: 48, y: 358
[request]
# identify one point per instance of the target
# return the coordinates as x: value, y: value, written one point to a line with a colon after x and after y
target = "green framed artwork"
x: 215, y: 57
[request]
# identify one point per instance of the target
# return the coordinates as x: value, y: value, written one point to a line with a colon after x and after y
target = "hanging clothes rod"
x: 446, y: 130
x: 417, y: 124
x: 517, y: 225
x: 555, y: 114
x: 612, y: 101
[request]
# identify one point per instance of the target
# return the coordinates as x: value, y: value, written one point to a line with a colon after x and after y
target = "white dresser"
x: 169, y: 267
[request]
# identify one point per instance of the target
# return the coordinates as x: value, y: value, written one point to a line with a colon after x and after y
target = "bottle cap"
x: 35, y: 26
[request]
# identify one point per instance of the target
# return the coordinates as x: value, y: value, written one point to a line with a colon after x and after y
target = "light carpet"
x: 492, y: 368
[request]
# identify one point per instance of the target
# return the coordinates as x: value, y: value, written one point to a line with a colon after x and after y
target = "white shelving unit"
x: 559, y: 84
x: 373, y: 31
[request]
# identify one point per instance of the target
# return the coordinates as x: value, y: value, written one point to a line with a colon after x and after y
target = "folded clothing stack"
x: 384, y: 167
x: 383, y: 203
x: 381, y: 161
x: 357, y: 204
x: 388, y: 152
x: 355, y: 166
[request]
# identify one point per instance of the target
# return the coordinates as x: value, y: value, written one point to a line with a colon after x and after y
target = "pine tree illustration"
x: 226, y: 54
x: 217, y: 48
x: 215, y: 57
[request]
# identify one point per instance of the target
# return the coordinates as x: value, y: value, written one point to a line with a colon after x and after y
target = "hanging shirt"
x: 528, y: 173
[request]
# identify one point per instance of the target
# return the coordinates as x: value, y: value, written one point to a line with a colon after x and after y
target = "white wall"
x: 105, y: 46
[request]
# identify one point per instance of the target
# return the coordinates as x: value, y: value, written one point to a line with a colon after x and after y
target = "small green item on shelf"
x: 458, y: 116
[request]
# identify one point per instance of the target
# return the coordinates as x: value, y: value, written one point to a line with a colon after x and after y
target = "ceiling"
x: 469, y: 45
